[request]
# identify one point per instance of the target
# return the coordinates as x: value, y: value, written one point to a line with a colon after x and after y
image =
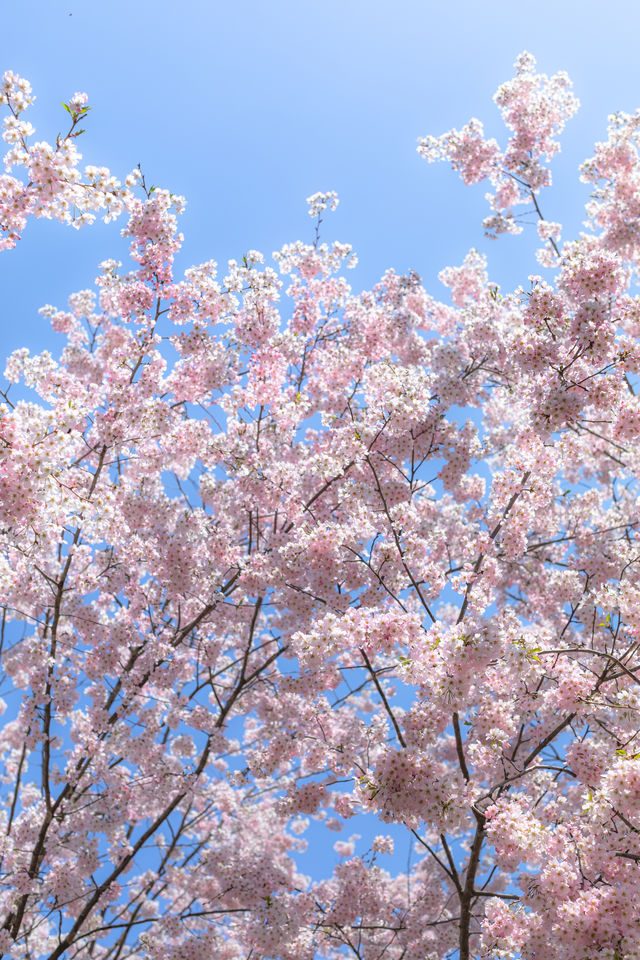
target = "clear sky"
x: 248, y: 107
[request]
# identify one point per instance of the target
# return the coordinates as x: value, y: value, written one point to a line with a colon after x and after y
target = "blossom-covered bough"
x: 256, y: 571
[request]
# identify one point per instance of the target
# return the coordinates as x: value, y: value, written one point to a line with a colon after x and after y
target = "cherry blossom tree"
x: 260, y: 577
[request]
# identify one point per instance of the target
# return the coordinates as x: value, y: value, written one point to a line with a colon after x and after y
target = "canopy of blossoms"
x: 260, y: 576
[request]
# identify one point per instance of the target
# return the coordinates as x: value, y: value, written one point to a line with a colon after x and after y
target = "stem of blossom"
x: 387, y: 707
x: 540, y: 214
x: 290, y: 525
x: 454, y: 872
x: 396, y: 538
x: 451, y: 873
x: 548, y: 739
x: 16, y: 791
x: 597, y: 653
x: 494, y: 533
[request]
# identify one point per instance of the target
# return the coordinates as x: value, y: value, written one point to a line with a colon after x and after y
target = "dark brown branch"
x: 387, y: 707
x: 459, y: 746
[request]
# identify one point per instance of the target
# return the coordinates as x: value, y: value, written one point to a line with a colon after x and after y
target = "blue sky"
x: 247, y: 108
